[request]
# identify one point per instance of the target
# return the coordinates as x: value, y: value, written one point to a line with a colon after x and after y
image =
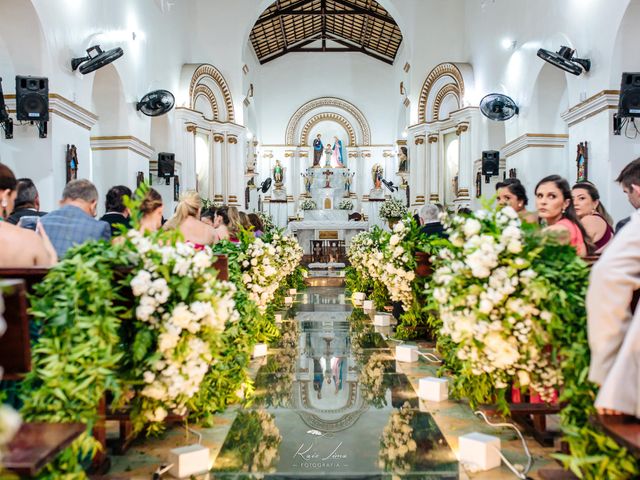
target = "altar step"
x: 330, y: 274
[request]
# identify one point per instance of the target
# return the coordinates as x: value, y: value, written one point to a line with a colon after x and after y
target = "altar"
x: 307, y: 230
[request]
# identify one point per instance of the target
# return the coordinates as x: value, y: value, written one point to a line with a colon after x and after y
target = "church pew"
x: 15, y: 346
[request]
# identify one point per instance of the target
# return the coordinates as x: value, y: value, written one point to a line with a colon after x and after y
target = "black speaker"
x: 166, y: 164
x: 490, y: 162
x: 629, y: 105
x: 32, y: 98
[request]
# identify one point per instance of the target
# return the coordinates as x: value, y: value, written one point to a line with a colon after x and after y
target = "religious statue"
x: 403, y: 167
x: 327, y: 154
x: 317, y: 151
x: 308, y: 181
x: 347, y: 184
x: 337, y: 157
x: 278, y: 175
x: 376, y: 173
x: 581, y: 162
x: 72, y: 163
x: 327, y: 174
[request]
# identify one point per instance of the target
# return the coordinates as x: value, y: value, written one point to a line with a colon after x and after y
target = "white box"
x: 293, y: 291
x: 479, y: 450
x: 278, y: 317
x: 288, y: 300
x: 382, y: 320
x: 358, y: 296
x: 260, y: 350
x: 433, y: 389
x: 407, y: 353
x: 367, y: 305
x: 187, y: 461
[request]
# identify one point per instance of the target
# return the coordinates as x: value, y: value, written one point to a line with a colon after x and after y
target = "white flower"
x: 471, y: 227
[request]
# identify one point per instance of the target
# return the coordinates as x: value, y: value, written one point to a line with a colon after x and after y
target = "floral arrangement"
x: 372, y: 380
x: 490, y: 303
x: 267, y: 221
x: 397, y: 443
x: 266, y: 264
x: 345, y: 204
x: 206, y: 203
x: 393, y: 208
x: 308, y: 204
x: 181, y: 311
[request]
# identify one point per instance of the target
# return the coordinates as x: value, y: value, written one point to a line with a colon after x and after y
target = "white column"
x: 434, y: 171
x: 466, y: 164
x: 218, y: 167
x: 417, y: 169
x: 234, y: 172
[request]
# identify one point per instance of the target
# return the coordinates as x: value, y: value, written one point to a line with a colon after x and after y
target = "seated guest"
x: 27, y: 202
x: 207, y: 215
x: 221, y: 223
x: 244, y: 221
x: 20, y: 247
x: 629, y: 179
x: 74, y: 223
x: 512, y: 193
x: 592, y: 214
x: 256, y: 222
x: 556, y: 212
x: 186, y: 220
x: 151, y: 209
x: 234, y: 224
x: 430, y: 221
x: 117, y: 213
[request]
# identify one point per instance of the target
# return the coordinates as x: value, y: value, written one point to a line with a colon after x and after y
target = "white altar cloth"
x: 310, y: 230
x: 326, y: 215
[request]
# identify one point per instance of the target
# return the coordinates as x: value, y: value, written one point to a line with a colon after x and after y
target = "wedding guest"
x: 512, y: 193
x: 430, y: 221
x: 27, y: 202
x: 74, y: 223
x: 221, y: 223
x: 117, y: 214
x: 186, y: 220
x: 234, y: 224
x: 20, y: 247
x: 556, y: 211
x: 629, y: 179
x: 244, y: 221
x: 207, y: 216
x: 592, y: 214
x: 151, y: 209
x: 256, y: 222
x: 613, y: 329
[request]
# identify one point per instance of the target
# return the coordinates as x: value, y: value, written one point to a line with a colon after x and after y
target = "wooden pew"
x: 29, y: 277
x: 15, y: 346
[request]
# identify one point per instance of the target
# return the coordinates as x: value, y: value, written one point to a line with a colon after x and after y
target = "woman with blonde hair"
x: 186, y: 220
x: 245, y: 222
x: 234, y: 223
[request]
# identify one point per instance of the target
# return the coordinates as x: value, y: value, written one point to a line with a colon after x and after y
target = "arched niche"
x: 443, y: 86
x: 549, y: 100
x: 22, y: 41
x: 109, y: 103
x: 332, y: 109
x: 209, y: 93
x: 328, y: 125
x: 624, y: 57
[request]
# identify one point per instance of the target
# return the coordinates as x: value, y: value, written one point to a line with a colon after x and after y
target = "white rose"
x: 471, y: 227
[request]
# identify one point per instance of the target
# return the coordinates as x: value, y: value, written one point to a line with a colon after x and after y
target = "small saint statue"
x: 376, y: 174
x: 347, y: 184
x: 327, y: 153
x: 337, y: 157
x: 278, y: 175
x: 327, y: 174
x: 317, y: 151
x: 72, y: 163
x: 403, y: 166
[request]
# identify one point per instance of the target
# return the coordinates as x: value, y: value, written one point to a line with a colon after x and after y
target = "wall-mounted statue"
x: 403, y: 156
x: 377, y: 173
x: 278, y: 175
x: 317, y: 151
x: 72, y: 163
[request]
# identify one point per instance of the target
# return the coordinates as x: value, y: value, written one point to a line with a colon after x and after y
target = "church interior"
x: 319, y: 238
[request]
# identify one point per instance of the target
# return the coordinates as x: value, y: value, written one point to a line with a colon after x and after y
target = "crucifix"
x: 327, y: 174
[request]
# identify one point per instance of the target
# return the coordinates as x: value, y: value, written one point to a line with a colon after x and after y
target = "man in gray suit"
x: 613, y: 329
x: 74, y: 223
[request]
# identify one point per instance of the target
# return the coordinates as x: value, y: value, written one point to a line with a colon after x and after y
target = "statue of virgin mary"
x: 337, y: 158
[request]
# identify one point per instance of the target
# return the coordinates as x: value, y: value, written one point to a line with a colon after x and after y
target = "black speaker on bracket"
x: 490, y: 162
x: 166, y: 164
x: 629, y: 105
x: 32, y: 98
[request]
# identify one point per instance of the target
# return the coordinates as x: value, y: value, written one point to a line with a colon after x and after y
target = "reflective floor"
x: 330, y: 403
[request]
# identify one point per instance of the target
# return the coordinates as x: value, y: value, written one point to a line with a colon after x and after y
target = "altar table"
x: 324, y: 230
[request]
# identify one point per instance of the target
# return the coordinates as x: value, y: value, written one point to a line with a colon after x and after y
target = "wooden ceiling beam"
x: 286, y: 50
x: 291, y: 8
x: 355, y: 9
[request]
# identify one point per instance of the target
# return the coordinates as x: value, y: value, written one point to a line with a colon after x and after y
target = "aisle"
x: 324, y: 398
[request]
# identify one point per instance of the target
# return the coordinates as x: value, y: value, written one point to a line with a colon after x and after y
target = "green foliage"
x: 75, y: 359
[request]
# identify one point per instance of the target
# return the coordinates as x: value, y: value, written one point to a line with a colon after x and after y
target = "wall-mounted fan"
x: 95, y: 59
x: 265, y: 186
x: 565, y: 60
x: 498, y: 107
x: 156, y: 103
x: 389, y: 185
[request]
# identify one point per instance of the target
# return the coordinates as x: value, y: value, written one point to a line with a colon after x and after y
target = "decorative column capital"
x: 232, y: 139
x: 433, y: 138
x: 461, y: 128
x: 191, y: 128
x: 218, y: 138
x: 420, y: 140
x: 289, y: 153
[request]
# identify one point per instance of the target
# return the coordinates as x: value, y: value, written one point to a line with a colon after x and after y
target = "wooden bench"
x: 15, y: 353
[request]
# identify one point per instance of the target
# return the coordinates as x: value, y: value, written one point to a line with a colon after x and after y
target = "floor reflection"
x: 329, y: 402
